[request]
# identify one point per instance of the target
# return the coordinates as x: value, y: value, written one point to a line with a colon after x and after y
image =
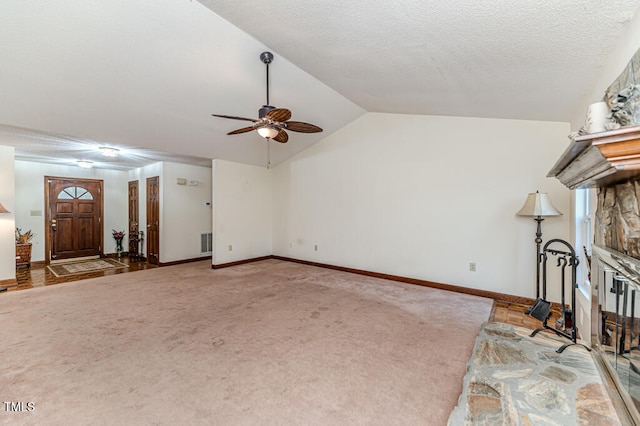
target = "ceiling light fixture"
x: 268, y: 132
x: 85, y: 164
x: 107, y: 151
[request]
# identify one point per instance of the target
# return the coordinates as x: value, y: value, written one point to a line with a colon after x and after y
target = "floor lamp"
x: 538, y: 205
x: 3, y: 210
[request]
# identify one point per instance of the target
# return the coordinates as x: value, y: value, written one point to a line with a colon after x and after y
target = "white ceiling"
x: 146, y: 75
x: 520, y: 59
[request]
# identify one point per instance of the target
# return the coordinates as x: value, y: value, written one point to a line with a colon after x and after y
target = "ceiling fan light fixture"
x: 85, y: 164
x: 107, y: 151
x: 268, y: 132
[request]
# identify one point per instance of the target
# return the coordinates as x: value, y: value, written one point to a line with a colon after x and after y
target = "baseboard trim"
x: 458, y: 289
x: 8, y: 283
x: 180, y: 262
x: 241, y: 262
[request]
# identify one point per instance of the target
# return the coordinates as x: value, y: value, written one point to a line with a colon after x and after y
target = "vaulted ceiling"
x: 146, y: 75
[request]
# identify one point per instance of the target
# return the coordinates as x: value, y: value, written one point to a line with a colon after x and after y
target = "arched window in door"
x: 75, y: 192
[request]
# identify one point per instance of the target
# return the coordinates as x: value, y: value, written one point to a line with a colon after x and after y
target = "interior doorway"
x: 73, y: 218
x: 153, y: 220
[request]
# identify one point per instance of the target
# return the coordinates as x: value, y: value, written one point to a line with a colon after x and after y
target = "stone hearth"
x: 513, y: 379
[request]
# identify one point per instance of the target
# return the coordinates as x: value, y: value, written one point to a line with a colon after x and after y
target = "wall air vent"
x: 206, y: 243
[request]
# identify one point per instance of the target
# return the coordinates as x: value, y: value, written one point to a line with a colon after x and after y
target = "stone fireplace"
x: 607, y: 157
x: 617, y: 218
x: 610, y: 162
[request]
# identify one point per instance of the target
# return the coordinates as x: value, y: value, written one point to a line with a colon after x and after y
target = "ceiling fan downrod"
x: 266, y: 58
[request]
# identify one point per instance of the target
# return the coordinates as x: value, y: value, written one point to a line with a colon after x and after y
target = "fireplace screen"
x: 616, y: 319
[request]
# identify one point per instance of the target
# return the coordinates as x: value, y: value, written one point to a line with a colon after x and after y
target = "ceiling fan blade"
x: 281, y: 137
x: 299, y: 126
x: 243, y: 130
x: 233, y: 117
x: 279, y: 114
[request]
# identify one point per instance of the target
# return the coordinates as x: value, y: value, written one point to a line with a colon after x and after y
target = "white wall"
x: 7, y: 220
x: 30, y: 197
x: 242, y: 208
x: 422, y: 196
x: 185, y: 214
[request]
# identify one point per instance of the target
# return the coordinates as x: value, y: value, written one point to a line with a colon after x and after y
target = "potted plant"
x: 23, y: 247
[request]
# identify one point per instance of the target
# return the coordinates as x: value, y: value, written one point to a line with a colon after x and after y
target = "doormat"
x: 85, y: 266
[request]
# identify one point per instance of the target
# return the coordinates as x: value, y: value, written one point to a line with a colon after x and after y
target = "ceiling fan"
x: 272, y: 122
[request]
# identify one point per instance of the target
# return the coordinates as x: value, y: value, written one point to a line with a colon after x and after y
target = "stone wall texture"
x: 617, y: 219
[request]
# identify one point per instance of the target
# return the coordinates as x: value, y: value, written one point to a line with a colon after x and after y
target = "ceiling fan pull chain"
x: 268, y: 153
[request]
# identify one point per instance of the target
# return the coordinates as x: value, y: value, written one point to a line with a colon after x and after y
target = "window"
x: 73, y: 192
x: 584, y: 235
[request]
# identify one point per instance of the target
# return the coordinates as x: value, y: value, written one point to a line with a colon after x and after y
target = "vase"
x: 597, y: 117
x: 119, y: 247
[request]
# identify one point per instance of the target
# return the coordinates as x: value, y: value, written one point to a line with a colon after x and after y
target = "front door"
x: 73, y: 217
x: 153, y: 220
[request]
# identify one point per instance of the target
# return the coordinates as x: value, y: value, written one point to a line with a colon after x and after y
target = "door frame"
x: 47, y: 214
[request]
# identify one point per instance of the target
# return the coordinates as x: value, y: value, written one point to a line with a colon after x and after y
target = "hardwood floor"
x: 513, y: 313
x: 39, y: 275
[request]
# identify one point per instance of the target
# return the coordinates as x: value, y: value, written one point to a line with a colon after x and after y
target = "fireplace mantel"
x: 600, y: 159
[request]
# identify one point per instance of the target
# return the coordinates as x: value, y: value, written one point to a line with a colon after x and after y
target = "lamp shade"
x: 538, y: 204
x: 3, y: 210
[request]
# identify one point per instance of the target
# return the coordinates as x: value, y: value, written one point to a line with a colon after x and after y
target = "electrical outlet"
x: 315, y: 248
x: 230, y: 247
x: 472, y: 266
x: 290, y: 245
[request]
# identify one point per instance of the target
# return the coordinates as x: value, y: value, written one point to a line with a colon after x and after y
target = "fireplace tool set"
x: 565, y: 259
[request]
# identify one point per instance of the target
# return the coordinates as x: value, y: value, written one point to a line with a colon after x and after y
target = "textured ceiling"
x: 522, y: 59
x: 145, y: 75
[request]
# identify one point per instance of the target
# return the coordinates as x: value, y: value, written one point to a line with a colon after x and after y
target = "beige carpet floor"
x: 270, y: 342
